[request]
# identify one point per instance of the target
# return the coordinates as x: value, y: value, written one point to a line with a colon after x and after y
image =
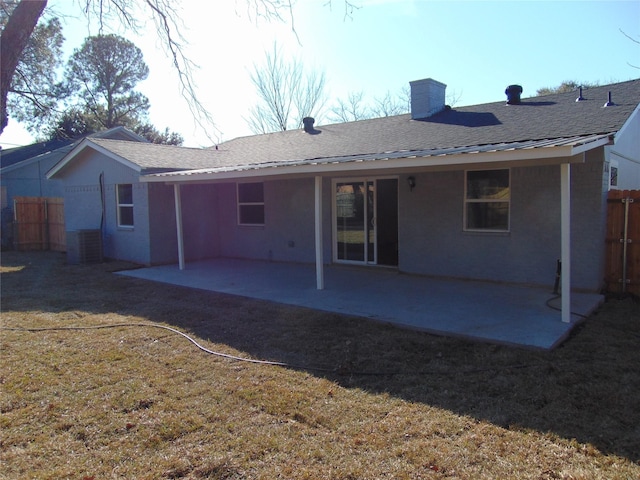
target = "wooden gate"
x: 39, y: 224
x: 622, y: 273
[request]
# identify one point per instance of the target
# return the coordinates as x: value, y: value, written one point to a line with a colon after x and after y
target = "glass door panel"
x: 370, y: 226
x: 350, y: 221
x: 366, y: 221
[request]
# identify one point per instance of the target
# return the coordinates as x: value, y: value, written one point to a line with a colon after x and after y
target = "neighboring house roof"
x: 11, y: 156
x: 552, y: 125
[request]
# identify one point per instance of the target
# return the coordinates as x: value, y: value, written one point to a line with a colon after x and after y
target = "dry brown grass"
x: 131, y: 402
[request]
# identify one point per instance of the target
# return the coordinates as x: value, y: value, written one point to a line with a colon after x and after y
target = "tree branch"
x: 13, y: 40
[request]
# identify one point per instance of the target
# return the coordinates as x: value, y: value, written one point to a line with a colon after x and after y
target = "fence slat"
x: 55, y: 217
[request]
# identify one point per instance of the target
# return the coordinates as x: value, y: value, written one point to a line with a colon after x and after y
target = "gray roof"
x: 551, y: 120
x: 151, y: 157
x: 56, y: 149
x: 538, y: 118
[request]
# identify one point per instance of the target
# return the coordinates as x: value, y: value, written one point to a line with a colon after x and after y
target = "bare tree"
x: 286, y: 93
x: 388, y: 106
x: 356, y: 108
x: 634, y: 41
x: 351, y: 109
x: 166, y: 16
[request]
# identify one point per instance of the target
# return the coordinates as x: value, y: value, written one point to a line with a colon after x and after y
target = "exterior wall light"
x: 411, y: 181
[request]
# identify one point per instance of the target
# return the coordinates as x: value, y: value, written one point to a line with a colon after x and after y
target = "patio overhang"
x: 559, y: 151
x: 526, y: 153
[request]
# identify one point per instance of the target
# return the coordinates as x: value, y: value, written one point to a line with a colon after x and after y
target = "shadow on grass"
x: 588, y: 389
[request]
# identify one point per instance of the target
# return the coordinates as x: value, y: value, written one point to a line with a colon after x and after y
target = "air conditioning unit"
x: 84, y: 247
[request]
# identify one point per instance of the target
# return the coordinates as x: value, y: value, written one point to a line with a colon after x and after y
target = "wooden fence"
x: 39, y: 224
x: 622, y: 273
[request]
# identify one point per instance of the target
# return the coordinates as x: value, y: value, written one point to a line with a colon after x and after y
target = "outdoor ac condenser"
x: 84, y: 246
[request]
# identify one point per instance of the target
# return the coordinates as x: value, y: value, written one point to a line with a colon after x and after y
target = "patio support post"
x: 565, y: 229
x: 178, y: 200
x: 318, y: 230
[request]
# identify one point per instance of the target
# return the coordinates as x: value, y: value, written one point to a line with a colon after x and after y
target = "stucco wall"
x: 83, y: 205
x: 200, y: 221
x: 289, y: 230
x: 162, y: 224
x: 433, y: 242
x: 30, y: 181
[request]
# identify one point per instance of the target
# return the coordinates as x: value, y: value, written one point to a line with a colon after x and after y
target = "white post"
x: 565, y: 229
x: 178, y: 200
x: 318, y: 227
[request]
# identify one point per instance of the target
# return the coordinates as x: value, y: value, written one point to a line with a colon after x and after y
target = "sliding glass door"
x: 366, y: 221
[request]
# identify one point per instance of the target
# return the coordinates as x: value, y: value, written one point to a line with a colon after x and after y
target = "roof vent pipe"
x: 580, y: 97
x: 513, y: 93
x: 609, y: 102
x: 308, y: 124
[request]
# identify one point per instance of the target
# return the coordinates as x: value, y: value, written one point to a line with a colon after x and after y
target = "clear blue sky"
x: 477, y: 48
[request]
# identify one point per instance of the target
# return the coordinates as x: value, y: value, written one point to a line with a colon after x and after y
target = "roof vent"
x: 427, y: 98
x: 513, y: 93
x: 308, y: 124
x: 580, y: 97
x: 609, y: 102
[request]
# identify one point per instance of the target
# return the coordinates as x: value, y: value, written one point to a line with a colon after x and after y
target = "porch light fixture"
x: 411, y: 181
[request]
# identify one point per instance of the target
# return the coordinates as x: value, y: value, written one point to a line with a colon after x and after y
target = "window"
x: 613, y: 173
x: 124, y: 193
x: 487, y: 198
x: 251, y: 204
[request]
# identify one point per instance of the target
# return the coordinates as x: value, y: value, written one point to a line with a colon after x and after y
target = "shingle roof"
x: 11, y: 156
x: 152, y: 157
x: 547, y: 120
x: 56, y: 149
x: 545, y: 117
x: 434, y: 157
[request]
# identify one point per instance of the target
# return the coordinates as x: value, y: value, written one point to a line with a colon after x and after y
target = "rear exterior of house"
x: 420, y: 230
x: 495, y: 192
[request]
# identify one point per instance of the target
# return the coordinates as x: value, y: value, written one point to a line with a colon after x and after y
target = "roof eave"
x: 555, y: 154
x: 87, y: 143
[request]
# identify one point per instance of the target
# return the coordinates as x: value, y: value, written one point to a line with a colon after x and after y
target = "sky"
x: 477, y: 48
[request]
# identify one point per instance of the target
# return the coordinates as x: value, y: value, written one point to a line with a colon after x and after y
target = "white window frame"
x: 244, y: 204
x: 485, y: 200
x: 120, y: 206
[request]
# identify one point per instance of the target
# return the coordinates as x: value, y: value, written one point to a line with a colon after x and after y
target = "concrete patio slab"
x: 498, y: 313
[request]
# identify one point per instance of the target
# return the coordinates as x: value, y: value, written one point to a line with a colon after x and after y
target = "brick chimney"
x: 427, y: 98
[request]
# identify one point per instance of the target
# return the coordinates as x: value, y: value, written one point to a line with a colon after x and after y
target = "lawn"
x: 357, y: 399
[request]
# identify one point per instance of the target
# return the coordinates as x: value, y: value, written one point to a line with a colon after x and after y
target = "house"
x: 23, y: 171
x: 496, y: 192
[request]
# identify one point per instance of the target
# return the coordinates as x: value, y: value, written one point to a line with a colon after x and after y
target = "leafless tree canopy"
x: 286, y: 94
x: 166, y: 15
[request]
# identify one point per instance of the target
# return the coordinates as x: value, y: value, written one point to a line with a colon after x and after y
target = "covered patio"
x: 483, y: 311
